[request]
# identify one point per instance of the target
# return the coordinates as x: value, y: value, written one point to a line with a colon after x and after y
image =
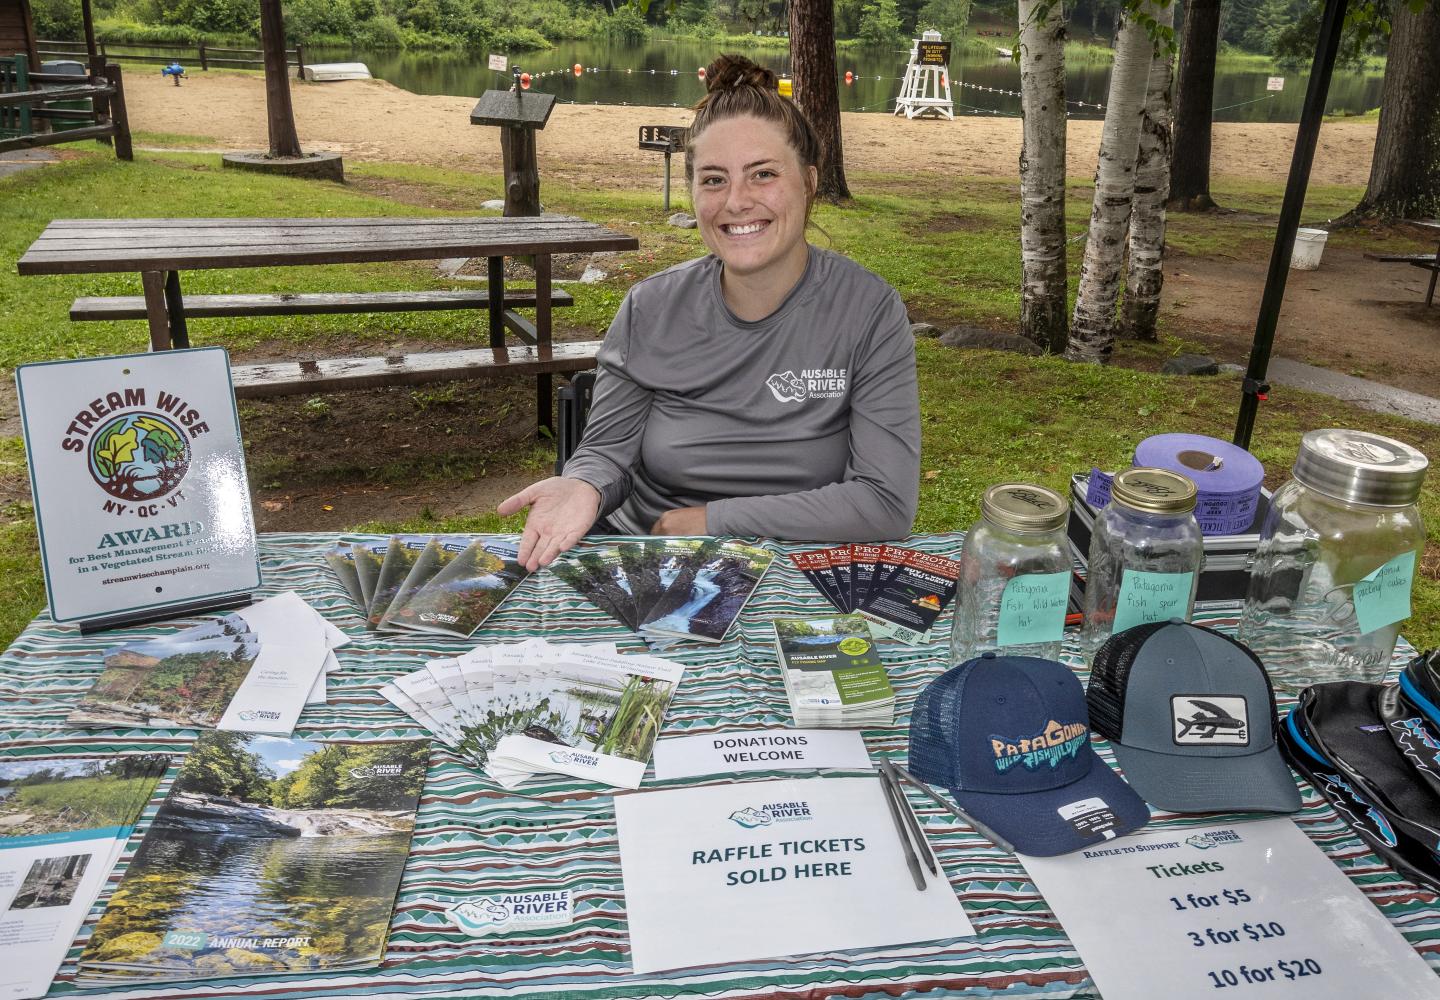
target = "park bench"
x: 161, y: 248
x: 1428, y: 261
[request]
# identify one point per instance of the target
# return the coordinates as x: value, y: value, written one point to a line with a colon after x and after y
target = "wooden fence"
x: 25, y: 107
x: 182, y: 52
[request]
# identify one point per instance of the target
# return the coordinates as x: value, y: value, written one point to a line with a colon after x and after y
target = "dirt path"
x: 373, y: 120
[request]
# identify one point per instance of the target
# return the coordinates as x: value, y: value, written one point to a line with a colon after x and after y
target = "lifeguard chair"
x: 926, y: 87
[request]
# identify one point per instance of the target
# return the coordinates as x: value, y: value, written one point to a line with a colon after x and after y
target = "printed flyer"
x: 761, y: 869
x: 138, y: 473
x: 271, y: 855
x: 63, y: 824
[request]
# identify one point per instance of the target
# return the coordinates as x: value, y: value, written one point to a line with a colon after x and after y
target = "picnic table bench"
x: 1429, y: 261
x: 161, y: 248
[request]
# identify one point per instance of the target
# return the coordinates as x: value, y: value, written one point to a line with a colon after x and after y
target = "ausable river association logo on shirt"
x: 811, y: 383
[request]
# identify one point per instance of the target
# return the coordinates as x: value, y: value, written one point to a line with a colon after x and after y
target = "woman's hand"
x: 561, y: 511
x: 680, y: 521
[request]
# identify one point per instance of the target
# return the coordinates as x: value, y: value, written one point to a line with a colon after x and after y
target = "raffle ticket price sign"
x: 1232, y: 911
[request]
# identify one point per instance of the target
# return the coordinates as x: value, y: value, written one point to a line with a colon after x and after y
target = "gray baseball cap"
x: 1190, y: 714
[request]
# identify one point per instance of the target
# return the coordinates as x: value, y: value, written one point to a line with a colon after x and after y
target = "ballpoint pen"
x: 914, y: 824
x: 957, y: 812
x: 910, y: 859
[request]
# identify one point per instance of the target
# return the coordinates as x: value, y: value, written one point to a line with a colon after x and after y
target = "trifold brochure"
x: 521, y: 709
x: 270, y: 856
x: 1227, y: 910
x: 252, y: 671
x: 668, y: 589
x: 899, y: 591
x: 63, y: 824
x: 833, y: 675
x: 444, y: 584
x: 769, y: 869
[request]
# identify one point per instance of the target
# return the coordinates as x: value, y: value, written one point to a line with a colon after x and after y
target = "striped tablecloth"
x: 473, y: 838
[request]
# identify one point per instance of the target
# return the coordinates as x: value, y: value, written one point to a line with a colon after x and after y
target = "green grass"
x: 948, y: 244
x: 174, y: 140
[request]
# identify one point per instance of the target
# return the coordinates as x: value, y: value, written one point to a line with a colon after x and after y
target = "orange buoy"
x: 849, y: 78
x: 579, y: 69
x: 700, y: 72
x: 524, y: 81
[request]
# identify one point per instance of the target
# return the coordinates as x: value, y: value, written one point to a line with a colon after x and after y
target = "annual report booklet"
x: 64, y: 822
x: 833, y: 675
x: 271, y: 855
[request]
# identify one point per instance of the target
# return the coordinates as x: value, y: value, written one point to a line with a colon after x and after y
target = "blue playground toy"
x: 175, y: 70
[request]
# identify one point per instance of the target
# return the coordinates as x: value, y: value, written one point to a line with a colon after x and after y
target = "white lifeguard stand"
x: 926, y: 87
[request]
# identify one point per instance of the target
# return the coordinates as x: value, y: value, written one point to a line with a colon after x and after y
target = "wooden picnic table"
x: 1428, y: 261
x: 159, y: 249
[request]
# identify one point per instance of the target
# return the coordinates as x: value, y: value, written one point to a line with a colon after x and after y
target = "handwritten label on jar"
x: 1032, y: 609
x: 1152, y: 597
x: 1383, y: 597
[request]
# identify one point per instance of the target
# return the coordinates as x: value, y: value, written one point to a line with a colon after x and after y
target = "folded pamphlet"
x: 833, y: 675
x: 517, y: 710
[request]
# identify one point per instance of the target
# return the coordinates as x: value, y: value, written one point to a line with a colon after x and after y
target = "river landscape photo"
x: 270, y: 855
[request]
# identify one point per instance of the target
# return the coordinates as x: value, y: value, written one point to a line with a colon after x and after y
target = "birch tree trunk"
x: 1146, y: 272
x: 1092, y: 328
x: 1044, y: 286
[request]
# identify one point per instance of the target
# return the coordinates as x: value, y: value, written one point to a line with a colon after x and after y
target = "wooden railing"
x: 198, y: 53
x: 21, y: 108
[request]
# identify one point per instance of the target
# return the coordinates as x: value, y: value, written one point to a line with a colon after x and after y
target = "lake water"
x: 661, y: 73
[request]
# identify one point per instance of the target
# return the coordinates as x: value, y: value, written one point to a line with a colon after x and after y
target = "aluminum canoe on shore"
x: 325, y: 72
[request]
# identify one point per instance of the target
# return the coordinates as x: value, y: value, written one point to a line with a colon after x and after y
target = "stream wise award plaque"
x: 141, y: 497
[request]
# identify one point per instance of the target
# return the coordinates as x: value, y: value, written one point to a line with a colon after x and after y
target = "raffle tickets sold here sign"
x: 139, y: 480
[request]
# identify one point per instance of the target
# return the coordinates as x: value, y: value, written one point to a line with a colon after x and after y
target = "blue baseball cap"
x: 1009, y: 736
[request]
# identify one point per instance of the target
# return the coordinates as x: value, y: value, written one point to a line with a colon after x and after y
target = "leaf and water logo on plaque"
x: 138, y: 474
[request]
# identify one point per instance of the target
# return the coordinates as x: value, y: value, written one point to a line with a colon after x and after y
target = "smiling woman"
x: 765, y: 389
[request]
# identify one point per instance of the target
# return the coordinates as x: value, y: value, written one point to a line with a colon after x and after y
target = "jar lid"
x: 1024, y: 508
x: 1156, y: 491
x: 1360, y: 467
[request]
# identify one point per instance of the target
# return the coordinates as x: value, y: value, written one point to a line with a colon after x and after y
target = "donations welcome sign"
x: 139, y: 481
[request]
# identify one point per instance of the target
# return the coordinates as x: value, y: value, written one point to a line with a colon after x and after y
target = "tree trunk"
x: 278, y: 112
x: 817, y: 89
x: 1044, y: 284
x: 1194, y: 98
x: 1146, y: 274
x: 1405, y: 171
x: 1092, y: 329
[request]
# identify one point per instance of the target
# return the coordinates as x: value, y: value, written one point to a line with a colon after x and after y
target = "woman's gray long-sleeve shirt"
x: 804, y: 425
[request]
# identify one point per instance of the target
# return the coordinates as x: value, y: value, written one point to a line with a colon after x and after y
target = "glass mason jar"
x: 1014, y: 576
x: 1146, y: 552
x: 1330, y: 583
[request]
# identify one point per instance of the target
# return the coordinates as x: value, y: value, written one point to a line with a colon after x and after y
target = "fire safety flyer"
x: 1237, y: 910
x: 764, y: 869
x: 138, y: 474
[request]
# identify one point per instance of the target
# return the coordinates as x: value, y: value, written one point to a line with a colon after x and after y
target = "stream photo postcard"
x: 271, y: 855
x: 185, y: 680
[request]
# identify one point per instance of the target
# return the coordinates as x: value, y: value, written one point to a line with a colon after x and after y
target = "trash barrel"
x: 82, y: 104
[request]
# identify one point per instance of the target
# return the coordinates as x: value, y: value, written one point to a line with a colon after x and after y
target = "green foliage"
x: 949, y: 17
x: 218, y: 17
x: 880, y: 23
x: 56, y: 19
x: 625, y: 25
x: 222, y: 764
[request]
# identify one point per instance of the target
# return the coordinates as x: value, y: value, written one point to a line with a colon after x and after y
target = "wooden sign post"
x: 667, y: 139
x: 518, y: 114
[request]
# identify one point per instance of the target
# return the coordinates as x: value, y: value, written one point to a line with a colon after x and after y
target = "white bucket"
x: 1309, y: 245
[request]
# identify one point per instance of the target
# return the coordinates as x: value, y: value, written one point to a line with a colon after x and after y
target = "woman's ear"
x: 812, y: 180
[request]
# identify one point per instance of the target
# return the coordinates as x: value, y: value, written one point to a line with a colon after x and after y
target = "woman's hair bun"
x: 730, y: 71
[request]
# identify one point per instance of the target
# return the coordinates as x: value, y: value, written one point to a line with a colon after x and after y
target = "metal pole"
x: 666, y: 205
x: 1254, y: 388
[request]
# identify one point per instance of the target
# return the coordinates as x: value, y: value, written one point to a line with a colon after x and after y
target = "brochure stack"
x: 833, y: 676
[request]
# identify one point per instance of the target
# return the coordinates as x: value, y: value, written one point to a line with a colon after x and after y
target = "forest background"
x: 1273, y: 28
